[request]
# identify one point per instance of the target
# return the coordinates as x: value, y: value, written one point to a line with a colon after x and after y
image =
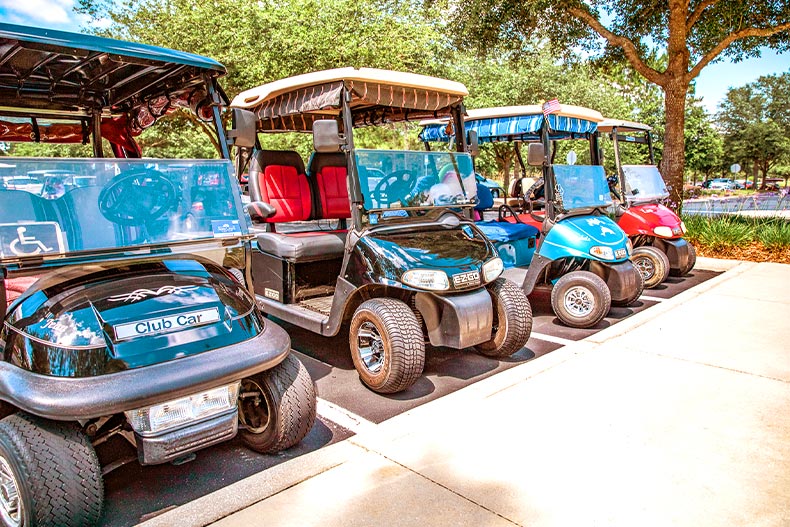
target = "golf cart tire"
x: 692, y: 260
x: 401, y: 339
x: 654, y: 262
x: 55, y: 468
x: 288, y: 394
x: 585, y: 283
x: 511, y: 306
x: 640, y: 288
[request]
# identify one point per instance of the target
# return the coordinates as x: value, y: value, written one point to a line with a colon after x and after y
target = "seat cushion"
x: 502, y: 231
x: 302, y: 245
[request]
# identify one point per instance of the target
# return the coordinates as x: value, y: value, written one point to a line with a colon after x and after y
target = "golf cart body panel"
x: 575, y: 236
x: 119, y: 277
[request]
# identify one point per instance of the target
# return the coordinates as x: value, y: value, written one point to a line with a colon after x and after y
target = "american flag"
x: 552, y: 106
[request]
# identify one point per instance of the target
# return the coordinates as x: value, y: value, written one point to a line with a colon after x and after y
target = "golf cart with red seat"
x: 383, y: 239
x: 127, y: 334
x: 581, y: 253
x: 655, y: 231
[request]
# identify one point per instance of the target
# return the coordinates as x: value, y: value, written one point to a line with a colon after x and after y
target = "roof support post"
x: 98, y: 151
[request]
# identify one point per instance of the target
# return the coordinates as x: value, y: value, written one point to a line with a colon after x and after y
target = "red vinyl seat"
x: 16, y: 287
x: 329, y: 170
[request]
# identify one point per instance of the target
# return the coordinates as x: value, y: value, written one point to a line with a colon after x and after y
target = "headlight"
x: 629, y: 247
x: 683, y: 227
x: 602, y: 252
x: 172, y: 414
x: 492, y: 269
x: 426, y: 279
x: 663, y: 231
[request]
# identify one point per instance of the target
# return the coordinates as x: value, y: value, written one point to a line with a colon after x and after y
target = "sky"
x: 712, y: 83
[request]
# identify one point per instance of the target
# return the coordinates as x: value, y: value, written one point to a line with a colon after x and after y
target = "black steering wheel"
x: 395, y: 187
x: 137, y: 196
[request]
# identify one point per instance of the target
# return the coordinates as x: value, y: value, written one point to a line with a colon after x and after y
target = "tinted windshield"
x: 79, y: 205
x: 582, y: 186
x: 644, y: 183
x: 392, y: 179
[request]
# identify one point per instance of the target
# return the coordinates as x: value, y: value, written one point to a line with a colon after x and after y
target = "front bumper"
x: 73, y: 399
x: 457, y: 321
x: 621, y: 278
x: 152, y: 450
x: 677, y: 250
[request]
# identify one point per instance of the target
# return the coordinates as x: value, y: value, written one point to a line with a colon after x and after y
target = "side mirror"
x: 326, y: 136
x: 260, y: 210
x: 474, y: 144
x: 536, y: 154
x: 242, y: 131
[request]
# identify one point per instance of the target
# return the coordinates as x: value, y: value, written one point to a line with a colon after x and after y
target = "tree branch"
x: 631, y: 53
x: 729, y: 39
x: 694, y: 16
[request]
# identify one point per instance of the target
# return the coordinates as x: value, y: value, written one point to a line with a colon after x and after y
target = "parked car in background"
x: 719, y: 184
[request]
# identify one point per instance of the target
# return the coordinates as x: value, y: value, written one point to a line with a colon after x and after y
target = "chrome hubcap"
x: 645, y: 267
x: 10, y: 502
x: 371, y: 347
x: 579, y: 301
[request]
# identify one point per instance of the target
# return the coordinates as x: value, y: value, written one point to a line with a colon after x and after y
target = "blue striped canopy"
x: 513, y: 128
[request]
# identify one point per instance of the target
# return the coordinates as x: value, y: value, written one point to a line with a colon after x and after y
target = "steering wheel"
x: 137, y: 196
x: 396, y: 186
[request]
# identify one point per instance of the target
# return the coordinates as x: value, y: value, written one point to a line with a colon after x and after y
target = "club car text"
x: 166, y: 324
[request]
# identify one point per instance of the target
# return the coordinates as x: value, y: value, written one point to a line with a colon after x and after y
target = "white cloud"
x: 50, y: 13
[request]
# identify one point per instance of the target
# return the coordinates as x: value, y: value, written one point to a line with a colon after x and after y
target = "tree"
x: 756, y: 124
x: 693, y: 34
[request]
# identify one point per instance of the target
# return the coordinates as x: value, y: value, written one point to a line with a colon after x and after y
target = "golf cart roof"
x: 378, y: 96
x: 518, y: 123
x: 74, y: 74
x: 622, y: 126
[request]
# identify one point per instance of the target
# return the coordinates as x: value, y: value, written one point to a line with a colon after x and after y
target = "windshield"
x: 393, y: 179
x: 581, y: 186
x: 644, y: 183
x: 64, y: 206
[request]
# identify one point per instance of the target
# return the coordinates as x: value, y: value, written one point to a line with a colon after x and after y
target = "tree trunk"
x: 755, y: 174
x: 673, y: 159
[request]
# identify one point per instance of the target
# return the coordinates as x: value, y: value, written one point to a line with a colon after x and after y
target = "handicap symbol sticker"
x: 225, y: 228
x: 30, y: 239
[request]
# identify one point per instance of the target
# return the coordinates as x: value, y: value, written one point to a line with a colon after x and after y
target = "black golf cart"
x: 385, y: 237
x: 121, y: 317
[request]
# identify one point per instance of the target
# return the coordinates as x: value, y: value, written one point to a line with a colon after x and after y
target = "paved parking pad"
x: 134, y: 493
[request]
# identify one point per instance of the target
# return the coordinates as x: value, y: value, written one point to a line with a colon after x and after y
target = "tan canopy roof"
x: 622, y: 126
x: 378, y: 96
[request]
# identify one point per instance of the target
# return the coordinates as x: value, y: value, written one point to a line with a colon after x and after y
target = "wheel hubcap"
x: 371, y: 347
x: 579, y: 301
x: 645, y: 267
x: 10, y: 503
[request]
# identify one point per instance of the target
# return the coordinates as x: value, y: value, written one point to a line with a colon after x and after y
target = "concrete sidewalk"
x: 678, y: 415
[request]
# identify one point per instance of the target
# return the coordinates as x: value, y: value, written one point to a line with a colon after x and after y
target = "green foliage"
x: 704, y: 144
x: 755, y: 119
x: 725, y: 232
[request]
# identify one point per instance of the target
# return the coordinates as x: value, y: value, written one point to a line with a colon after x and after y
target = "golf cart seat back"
x: 517, y: 188
x: 328, y: 171
x: 20, y: 205
x: 278, y: 178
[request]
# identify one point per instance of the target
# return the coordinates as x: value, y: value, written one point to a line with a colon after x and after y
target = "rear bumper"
x: 72, y: 399
x: 457, y: 321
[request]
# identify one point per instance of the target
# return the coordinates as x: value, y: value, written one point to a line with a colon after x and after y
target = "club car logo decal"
x: 166, y: 324
x: 139, y: 294
x: 466, y: 279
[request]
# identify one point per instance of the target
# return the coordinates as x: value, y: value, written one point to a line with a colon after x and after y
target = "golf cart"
x: 120, y: 321
x: 655, y: 231
x: 386, y: 238
x: 581, y: 252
